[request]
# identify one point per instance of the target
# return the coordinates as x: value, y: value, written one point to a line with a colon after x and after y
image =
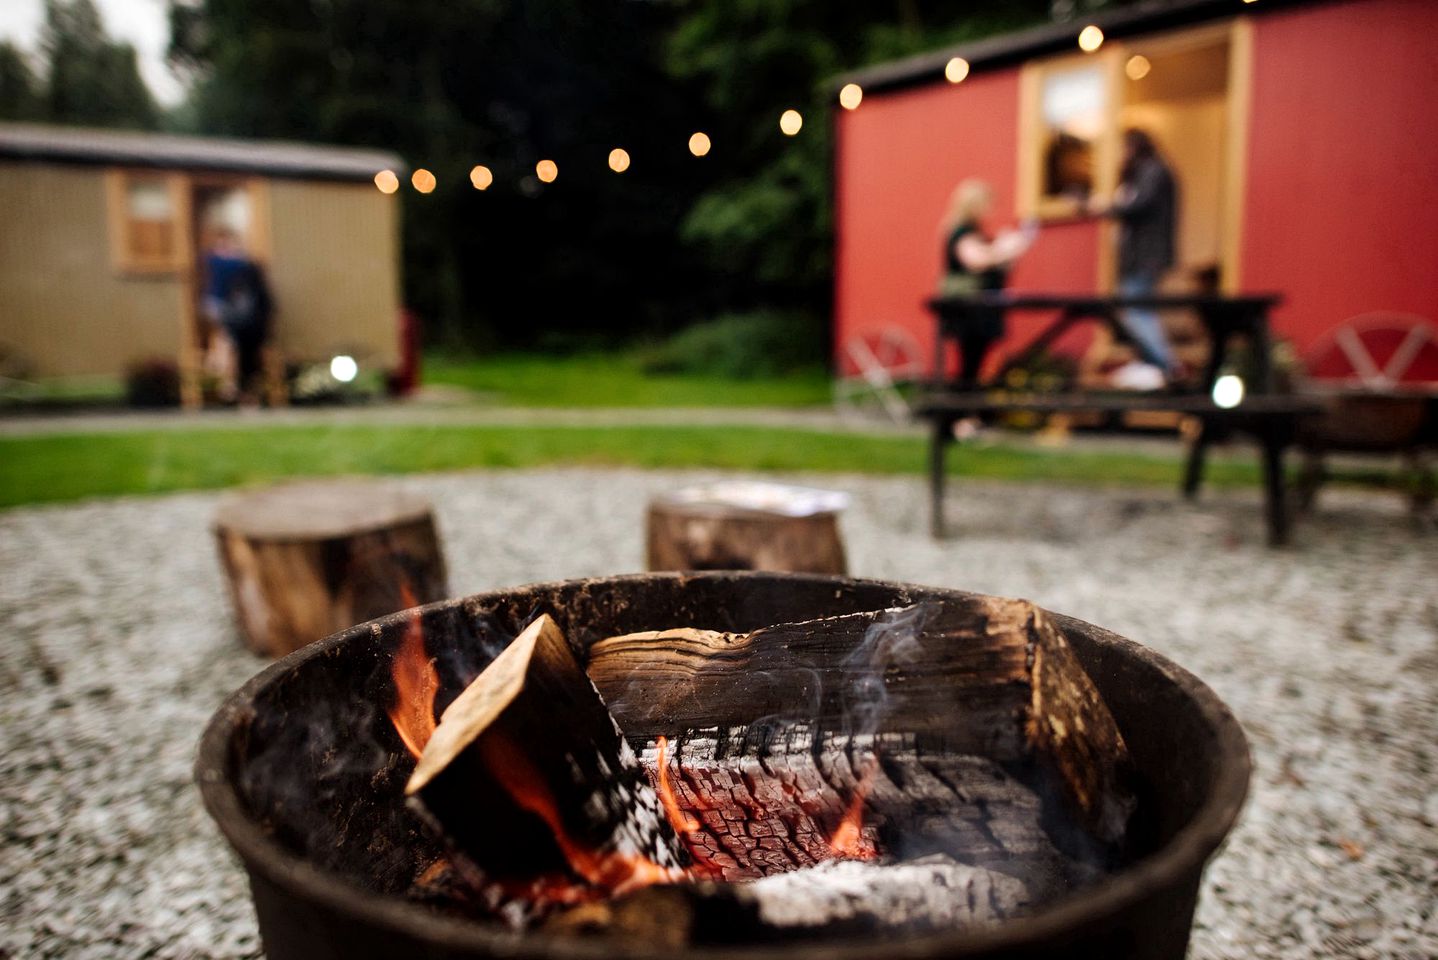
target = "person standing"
x: 237, y: 303
x: 975, y: 263
x: 1145, y: 206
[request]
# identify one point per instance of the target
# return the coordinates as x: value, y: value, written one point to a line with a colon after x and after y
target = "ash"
x: 116, y: 646
x: 930, y: 894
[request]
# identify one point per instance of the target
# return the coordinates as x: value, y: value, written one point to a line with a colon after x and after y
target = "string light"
x: 423, y: 180
x: 850, y: 96
x: 791, y: 122
x: 956, y: 70
x: 481, y: 177
x: 618, y: 159
x: 1137, y: 67
x: 699, y: 144
x: 386, y: 181
x: 546, y: 170
x: 1090, y: 38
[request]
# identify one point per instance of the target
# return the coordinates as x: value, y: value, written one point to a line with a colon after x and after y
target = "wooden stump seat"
x: 307, y: 559
x: 692, y: 531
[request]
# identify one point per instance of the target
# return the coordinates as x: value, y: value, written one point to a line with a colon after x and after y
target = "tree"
x: 90, y: 79
x: 19, y: 94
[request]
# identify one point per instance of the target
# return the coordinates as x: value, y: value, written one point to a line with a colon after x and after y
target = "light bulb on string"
x: 791, y: 122
x: 699, y: 144
x: 850, y: 96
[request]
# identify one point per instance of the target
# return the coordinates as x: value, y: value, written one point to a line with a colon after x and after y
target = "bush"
x: 152, y: 383
x: 742, y: 346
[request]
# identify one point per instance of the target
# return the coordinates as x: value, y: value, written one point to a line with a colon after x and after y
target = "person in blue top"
x: 237, y: 303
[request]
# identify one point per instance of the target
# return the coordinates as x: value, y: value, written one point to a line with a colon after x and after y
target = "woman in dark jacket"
x: 1145, y: 206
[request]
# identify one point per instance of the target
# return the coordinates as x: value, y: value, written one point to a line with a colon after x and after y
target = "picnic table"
x: 1272, y: 420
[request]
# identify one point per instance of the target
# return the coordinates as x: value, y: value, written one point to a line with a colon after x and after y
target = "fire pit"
x: 974, y: 791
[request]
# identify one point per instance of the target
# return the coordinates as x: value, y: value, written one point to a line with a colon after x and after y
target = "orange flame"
x: 848, y: 839
x: 613, y: 871
x: 415, y: 682
x: 679, y: 819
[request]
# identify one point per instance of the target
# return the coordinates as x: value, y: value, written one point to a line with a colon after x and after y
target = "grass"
x: 615, y: 380
x: 63, y: 467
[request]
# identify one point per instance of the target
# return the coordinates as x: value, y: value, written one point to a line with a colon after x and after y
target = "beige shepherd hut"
x: 102, y: 234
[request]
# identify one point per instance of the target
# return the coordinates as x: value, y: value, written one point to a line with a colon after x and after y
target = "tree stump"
x: 706, y: 530
x: 305, y: 560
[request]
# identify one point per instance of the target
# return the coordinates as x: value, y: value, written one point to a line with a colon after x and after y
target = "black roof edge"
x: 1050, y: 38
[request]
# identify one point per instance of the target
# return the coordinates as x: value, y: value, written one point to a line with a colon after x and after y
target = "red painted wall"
x: 1341, y: 213
x: 1341, y: 208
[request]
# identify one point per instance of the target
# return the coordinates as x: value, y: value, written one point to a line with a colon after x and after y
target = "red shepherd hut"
x: 1304, y: 136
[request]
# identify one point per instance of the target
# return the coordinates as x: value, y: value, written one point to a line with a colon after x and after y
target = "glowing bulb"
x: 423, y: 180
x: 546, y: 170
x: 1090, y: 38
x: 481, y: 177
x: 618, y: 159
x: 956, y: 70
x: 386, y: 181
x: 850, y: 96
x: 1137, y: 67
x: 699, y: 144
x: 791, y: 122
x: 1227, y: 391
x: 343, y: 368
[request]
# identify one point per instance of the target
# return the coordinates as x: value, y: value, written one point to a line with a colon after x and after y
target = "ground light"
x: 343, y: 368
x: 1228, y: 391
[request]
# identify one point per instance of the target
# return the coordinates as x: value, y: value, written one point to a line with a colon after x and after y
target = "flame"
x: 415, y: 682
x: 679, y: 818
x: 848, y: 839
x: 613, y: 871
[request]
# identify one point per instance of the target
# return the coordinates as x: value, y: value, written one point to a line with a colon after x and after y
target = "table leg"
x: 1197, y: 454
x: 1275, y: 489
x: 1262, y: 352
x: 938, y: 441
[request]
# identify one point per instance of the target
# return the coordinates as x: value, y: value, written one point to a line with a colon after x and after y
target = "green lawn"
x: 614, y: 380
x: 60, y: 467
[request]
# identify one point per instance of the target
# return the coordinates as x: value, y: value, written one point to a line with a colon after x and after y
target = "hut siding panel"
x: 64, y: 309
x: 334, y: 271
x: 1341, y: 195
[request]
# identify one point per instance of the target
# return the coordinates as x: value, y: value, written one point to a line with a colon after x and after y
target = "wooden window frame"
x: 1029, y: 199
x: 123, y: 257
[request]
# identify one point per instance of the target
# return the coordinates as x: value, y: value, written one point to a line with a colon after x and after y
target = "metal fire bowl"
x: 1190, y: 753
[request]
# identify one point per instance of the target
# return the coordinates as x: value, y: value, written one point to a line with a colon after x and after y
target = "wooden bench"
x: 1272, y: 421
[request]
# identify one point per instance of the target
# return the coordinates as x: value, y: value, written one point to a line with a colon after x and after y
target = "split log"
x: 526, y: 776
x: 991, y: 679
x: 305, y: 560
x: 697, y: 535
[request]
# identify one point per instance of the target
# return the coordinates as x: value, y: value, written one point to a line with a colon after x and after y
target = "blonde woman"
x: 973, y: 263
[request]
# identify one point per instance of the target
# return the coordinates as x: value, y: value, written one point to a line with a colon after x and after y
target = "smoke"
x: 891, y: 641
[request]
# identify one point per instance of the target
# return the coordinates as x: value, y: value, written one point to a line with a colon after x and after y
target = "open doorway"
x: 1177, y: 89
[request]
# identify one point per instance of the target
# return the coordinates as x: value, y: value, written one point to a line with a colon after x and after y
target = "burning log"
x: 305, y: 560
x: 839, y: 897
x: 993, y: 679
x: 526, y: 776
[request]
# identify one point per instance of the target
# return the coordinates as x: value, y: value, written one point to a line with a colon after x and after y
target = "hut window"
x: 1069, y: 137
x: 146, y: 221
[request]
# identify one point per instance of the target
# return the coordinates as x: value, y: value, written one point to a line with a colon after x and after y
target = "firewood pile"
x: 924, y: 767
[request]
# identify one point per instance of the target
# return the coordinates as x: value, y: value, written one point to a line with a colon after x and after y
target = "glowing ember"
x: 679, y: 819
x: 415, y: 684
x: 848, y: 839
x: 613, y: 871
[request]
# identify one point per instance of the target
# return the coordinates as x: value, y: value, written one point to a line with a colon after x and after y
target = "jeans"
x: 1143, y: 324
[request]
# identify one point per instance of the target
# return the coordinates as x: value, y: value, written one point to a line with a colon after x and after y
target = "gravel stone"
x: 116, y: 645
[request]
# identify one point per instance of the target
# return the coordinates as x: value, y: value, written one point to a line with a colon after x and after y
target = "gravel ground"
x: 116, y: 646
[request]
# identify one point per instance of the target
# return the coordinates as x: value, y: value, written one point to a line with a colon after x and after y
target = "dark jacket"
x: 1146, y: 220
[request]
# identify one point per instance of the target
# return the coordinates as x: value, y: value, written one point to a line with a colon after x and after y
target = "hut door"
x: 223, y: 209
